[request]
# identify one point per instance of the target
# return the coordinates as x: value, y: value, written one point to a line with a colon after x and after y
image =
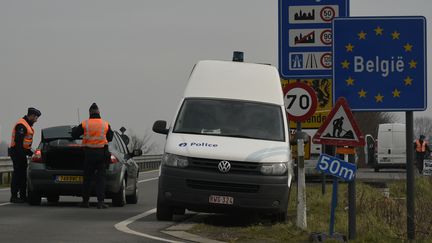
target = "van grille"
x: 237, y: 167
x: 221, y: 186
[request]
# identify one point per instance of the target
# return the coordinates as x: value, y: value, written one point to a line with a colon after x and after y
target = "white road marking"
x: 122, y: 226
x: 4, y: 204
x: 151, y: 179
x: 5, y: 189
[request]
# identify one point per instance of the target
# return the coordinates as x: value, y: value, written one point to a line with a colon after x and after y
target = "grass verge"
x: 379, y: 218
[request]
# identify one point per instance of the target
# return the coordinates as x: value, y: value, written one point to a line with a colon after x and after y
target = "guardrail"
x: 145, y: 162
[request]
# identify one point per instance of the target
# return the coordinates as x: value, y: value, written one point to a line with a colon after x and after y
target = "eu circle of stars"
x: 380, y: 64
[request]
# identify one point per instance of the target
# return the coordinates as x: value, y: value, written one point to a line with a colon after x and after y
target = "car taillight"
x: 113, y: 159
x: 37, y: 157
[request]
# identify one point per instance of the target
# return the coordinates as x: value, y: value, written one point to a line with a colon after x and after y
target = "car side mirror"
x: 160, y: 127
x: 137, y: 152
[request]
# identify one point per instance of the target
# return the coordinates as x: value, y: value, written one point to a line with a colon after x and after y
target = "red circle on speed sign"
x: 327, y: 14
x: 300, y: 101
x: 326, y: 37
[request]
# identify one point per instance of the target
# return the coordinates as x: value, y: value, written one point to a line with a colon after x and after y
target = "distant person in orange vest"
x: 20, y: 148
x: 96, y: 135
x: 421, y: 147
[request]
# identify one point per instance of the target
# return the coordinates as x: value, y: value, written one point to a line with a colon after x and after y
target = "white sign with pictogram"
x: 300, y: 101
x: 319, y: 14
x: 310, y: 37
x: 310, y: 60
x: 340, y: 127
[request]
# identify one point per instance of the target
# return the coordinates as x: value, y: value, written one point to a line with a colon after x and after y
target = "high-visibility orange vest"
x: 28, y: 137
x: 421, y: 147
x: 95, y: 131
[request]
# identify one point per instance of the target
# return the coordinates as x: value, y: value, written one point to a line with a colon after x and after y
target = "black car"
x: 56, y: 169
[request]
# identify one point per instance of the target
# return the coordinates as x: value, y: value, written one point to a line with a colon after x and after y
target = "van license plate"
x: 69, y: 179
x: 221, y: 199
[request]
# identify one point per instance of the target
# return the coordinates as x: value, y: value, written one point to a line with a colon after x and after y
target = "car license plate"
x: 221, y: 199
x: 69, y: 179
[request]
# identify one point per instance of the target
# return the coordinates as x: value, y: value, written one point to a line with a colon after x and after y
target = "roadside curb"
x: 179, y: 231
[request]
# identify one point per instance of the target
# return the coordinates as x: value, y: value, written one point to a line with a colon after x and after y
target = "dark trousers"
x: 420, y: 158
x: 94, y: 169
x: 19, y: 177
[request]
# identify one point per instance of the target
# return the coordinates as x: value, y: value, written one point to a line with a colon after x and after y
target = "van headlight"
x: 174, y: 160
x: 274, y: 169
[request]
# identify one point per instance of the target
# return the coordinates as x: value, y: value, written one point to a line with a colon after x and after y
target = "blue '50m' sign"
x: 336, y: 167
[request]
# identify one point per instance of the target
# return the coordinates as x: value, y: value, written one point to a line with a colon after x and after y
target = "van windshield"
x: 231, y: 118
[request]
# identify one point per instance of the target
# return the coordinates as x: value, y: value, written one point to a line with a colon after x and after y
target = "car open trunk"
x: 64, y: 157
x: 60, y: 151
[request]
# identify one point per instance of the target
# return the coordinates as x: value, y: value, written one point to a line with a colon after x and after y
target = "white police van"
x: 227, y: 149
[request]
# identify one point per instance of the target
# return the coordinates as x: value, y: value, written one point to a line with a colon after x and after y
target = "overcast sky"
x: 133, y: 57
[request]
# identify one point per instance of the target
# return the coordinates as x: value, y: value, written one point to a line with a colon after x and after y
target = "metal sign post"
x: 338, y: 168
x: 300, y: 104
x: 410, y: 176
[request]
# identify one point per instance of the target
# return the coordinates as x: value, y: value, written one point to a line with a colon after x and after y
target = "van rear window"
x: 231, y: 118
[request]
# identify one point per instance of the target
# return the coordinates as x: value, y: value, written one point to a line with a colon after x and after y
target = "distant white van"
x: 391, y: 146
x: 228, y: 146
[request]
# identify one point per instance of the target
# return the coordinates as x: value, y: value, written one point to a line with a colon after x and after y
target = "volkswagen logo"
x: 224, y: 166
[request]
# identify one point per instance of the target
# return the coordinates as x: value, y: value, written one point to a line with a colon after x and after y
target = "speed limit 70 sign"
x: 300, y: 101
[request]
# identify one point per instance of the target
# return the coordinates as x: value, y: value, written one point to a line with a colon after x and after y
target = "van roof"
x: 235, y: 80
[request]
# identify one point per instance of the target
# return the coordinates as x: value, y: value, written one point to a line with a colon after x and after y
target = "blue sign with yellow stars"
x: 380, y: 63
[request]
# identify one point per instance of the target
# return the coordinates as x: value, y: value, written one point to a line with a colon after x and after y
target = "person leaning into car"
x: 96, y: 135
x: 20, y: 148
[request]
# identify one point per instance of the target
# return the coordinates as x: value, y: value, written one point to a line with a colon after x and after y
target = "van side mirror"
x: 160, y: 127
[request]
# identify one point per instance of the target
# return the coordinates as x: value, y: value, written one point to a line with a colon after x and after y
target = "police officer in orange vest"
x: 421, y: 147
x: 20, y: 148
x: 96, y: 135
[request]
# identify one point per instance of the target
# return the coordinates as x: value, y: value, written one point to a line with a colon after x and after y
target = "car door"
x: 131, y: 166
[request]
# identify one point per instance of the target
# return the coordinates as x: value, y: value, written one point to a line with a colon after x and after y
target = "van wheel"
x: 133, y: 199
x: 119, y: 198
x: 164, y: 212
x: 34, y: 198
x: 53, y: 199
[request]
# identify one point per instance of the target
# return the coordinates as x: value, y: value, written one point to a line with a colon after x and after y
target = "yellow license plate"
x: 69, y: 179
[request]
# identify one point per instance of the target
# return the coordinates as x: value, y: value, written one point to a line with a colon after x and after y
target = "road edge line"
x: 122, y: 226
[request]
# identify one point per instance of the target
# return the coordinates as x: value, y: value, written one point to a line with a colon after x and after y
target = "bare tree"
x: 423, y: 126
x: 368, y: 123
x: 146, y: 143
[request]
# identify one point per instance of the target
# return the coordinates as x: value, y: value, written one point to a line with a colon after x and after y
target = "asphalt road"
x: 66, y: 222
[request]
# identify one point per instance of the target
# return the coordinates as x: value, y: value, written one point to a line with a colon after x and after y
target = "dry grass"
x: 379, y: 218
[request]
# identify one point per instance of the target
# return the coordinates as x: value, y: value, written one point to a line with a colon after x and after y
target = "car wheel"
x: 133, y: 199
x: 34, y: 198
x: 53, y: 199
x: 164, y: 212
x: 119, y: 198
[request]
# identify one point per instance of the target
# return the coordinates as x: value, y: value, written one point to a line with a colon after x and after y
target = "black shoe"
x: 84, y: 205
x: 16, y: 200
x: 102, y: 205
